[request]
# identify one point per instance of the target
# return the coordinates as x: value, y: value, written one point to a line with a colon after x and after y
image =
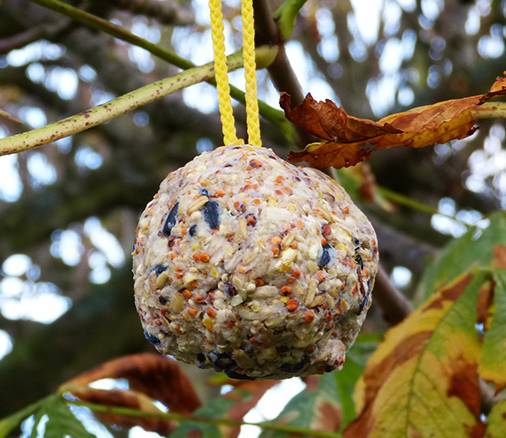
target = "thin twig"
x: 122, y: 104
x: 29, y: 35
x: 414, y: 204
x: 174, y: 416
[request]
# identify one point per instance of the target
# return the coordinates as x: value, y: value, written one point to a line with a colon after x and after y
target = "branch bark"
x: 281, y: 71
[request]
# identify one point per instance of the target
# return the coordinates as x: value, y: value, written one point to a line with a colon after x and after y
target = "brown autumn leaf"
x: 348, y: 140
x: 156, y: 376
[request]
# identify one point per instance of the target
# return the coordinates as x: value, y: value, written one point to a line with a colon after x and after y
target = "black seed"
x: 211, y: 211
x: 171, y: 220
x: 158, y: 269
x: 193, y: 230
x: 221, y: 361
x: 294, y: 367
x: 152, y: 338
x: 356, y: 242
x: 364, y: 303
x: 204, y: 192
x: 229, y: 289
x: 201, y: 360
x: 162, y: 300
x: 235, y: 375
x: 326, y: 255
x: 358, y: 259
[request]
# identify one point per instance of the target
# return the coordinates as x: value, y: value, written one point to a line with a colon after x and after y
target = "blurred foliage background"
x: 68, y: 211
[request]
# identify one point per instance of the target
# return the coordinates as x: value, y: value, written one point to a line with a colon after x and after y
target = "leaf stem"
x: 120, y: 410
x: 490, y: 110
x: 268, y: 112
x: 401, y: 199
x: 120, y: 105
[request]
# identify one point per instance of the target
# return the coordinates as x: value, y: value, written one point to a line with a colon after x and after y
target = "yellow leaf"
x: 496, y: 422
x: 493, y: 356
x: 423, y: 380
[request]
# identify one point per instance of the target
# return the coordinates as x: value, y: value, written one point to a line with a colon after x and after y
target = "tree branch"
x: 394, y: 305
x: 281, y: 71
x: 116, y: 107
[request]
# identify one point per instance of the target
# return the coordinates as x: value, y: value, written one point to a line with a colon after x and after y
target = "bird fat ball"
x: 249, y: 265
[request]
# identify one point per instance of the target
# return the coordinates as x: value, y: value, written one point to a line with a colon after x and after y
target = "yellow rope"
x: 248, y: 54
x: 221, y: 74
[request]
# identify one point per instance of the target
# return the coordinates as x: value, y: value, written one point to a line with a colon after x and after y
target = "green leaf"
x: 8, y: 424
x: 473, y: 249
x: 60, y: 420
x: 493, y: 354
x: 286, y: 15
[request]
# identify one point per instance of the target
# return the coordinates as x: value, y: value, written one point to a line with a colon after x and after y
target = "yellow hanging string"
x: 221, y: 74
x: 248, y: 54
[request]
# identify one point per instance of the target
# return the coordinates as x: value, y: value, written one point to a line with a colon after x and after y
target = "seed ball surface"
x: 249, y: 265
